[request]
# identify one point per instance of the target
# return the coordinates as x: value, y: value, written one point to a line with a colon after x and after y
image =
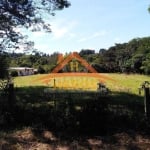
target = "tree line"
x: 130, y: 57
x: 44, y: 63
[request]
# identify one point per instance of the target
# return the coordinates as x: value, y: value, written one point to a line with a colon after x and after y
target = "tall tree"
x: 25, y: 13
x: 3, y: 70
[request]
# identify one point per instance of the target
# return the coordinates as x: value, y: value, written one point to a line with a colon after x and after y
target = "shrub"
x: 14, y: 73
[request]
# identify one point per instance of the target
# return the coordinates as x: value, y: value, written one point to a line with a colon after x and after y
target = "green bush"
x: 14, y: 73
x: 41, y: 70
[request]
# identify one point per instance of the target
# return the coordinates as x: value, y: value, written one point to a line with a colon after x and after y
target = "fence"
x: 75, y: 108
x: 146, y: 88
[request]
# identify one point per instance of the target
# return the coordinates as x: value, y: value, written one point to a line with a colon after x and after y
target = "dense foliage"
x: 3, y: 66
x: 131, y: 57
x: 24, y: 13
x: 42, y: 62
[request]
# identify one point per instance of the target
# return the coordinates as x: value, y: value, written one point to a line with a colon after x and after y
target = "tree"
x: 3, y: 70
x: 149, y: 9
x: 86, y: 52
x: 25, y: 13
x: 4, y: 64
x: 146, y: 64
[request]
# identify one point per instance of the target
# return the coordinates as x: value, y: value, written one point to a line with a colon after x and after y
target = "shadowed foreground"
x: 36, y: 122
x: 41, y: 139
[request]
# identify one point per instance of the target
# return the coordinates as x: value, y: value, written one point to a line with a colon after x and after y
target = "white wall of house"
x: 23, y: 71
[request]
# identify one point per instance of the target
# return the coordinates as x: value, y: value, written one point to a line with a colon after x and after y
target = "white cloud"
x: 38, y: 34
x: 16, y: 29
x: 63, y: 28
x: 59, y: 32
x: 99, y: 34
x: 42, y: 47
x: 60, y: 28
x: 117, y: 40
x: 93, y: 36
x: 72, y: 35
x: 83, y: 39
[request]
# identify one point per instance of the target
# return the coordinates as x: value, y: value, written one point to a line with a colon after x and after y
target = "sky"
x: 94, y: 24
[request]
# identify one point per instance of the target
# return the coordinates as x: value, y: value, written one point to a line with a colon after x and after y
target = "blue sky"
x: 94, y: 25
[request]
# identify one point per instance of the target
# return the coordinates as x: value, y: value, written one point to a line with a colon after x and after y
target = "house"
x: 23, y: 71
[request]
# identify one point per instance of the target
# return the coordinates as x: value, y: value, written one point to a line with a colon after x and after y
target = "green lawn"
x: 23, y: 81
x: 121, y: 82
x: 126, y: 82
